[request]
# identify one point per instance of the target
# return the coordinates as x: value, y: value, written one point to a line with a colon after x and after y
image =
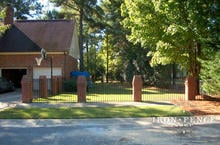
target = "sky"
x: 47, y: 4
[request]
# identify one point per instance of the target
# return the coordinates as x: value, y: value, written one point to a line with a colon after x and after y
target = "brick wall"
x: 67, y: 63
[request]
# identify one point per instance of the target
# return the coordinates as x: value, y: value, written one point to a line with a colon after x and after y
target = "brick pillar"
x: 43, y: 87
x: 59, y: 84
x: 81, y: 88
x: 26, y: 89
x: 54, y: 85
x: 137, y: 88
x: 190, y: 88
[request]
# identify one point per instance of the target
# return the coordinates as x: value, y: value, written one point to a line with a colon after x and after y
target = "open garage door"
x: 15, y: 75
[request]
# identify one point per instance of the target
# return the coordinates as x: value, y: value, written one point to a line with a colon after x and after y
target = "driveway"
x: 117, y: 131
x: 10, y: 99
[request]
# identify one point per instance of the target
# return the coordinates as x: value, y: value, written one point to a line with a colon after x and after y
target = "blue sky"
x: 47, y: 4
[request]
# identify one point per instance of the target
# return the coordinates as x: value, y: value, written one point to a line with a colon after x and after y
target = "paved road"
x: 197, y: 130
x: 117, y: 131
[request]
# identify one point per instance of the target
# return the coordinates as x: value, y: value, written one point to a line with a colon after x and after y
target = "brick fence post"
x: 190, y: 88
x: 81, y: 88
x: 137, y: 88
x: 43, y: 87
x: 26, y: 89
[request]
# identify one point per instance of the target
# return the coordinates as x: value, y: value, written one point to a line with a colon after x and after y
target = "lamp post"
x: 44, y: 56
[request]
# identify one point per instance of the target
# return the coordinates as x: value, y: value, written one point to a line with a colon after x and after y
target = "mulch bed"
x: 203, y: 105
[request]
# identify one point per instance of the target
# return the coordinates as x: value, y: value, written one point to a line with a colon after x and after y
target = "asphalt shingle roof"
x: 32, y: 35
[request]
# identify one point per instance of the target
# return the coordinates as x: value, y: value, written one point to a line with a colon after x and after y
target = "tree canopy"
x: 176, y: 31
x: 172, y: 29
x: 210, y: 75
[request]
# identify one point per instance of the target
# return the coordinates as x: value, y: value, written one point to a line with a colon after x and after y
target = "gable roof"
x: 32, y: 35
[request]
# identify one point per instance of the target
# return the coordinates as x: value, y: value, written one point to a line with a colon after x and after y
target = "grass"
x: 62, y: 98
x: 92, y: 112
x: 115, y: 92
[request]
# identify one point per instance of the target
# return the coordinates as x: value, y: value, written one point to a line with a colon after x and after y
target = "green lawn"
x: 115, y: 92
x: 92, y: 112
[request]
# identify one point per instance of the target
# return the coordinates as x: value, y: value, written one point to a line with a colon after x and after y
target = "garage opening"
x: 15, y: 75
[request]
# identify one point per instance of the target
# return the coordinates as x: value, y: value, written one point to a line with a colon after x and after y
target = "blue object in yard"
x: 80, y: 73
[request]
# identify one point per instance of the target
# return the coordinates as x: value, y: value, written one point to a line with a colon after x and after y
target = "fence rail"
x: 116, y: 92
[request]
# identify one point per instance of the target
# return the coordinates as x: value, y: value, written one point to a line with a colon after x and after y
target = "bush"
x: 70, y: 85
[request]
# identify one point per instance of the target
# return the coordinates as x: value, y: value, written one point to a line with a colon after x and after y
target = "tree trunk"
x: 87, y: 54
x: 107, y: 61
x: 81, y: 37
x: 198, y: 66
x: 192, y: 81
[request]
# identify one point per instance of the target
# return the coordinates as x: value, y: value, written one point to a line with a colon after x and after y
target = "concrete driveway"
x: 10, y: 99
x: 117, y: 131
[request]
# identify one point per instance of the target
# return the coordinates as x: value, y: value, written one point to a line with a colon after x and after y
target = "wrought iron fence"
x: 162, y: 94
x: 115, y: 92
x: 109, y: 92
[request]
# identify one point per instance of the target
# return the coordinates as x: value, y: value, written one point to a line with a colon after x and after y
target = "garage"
x: 15, y: 75
x: 44, y: 71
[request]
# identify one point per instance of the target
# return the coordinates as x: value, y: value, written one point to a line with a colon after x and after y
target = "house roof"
x: 32, y: 35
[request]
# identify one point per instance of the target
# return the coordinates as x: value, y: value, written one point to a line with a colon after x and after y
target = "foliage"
x: 85, y: 11
x: 53, y: 15
x: 3, y: 28
x: 70, y: 85
x: 210, y: 75
x: 125, y: 59
x: 23, y: 8
x: 94, y: 64
x: 172, y: 29
x: 176, y: 31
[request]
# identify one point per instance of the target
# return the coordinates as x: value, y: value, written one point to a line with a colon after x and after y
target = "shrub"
x: 70, y: 85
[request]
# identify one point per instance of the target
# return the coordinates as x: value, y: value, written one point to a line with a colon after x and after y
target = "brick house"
x: 22, y: 43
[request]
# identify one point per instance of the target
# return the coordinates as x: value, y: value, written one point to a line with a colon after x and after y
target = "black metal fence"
x: 116, y: 92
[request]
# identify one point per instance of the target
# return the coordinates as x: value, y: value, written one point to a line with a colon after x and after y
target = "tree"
x: 210, y: 75
x: 3, y: 28
x: 125, y: 59
x: 53, y: 15
x: 88, y: 11
x: 174, y: 30
x: 23, y: 8
x: 93, y: 62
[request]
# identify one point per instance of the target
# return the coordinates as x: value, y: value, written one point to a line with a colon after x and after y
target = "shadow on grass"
x: 91, y: 112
